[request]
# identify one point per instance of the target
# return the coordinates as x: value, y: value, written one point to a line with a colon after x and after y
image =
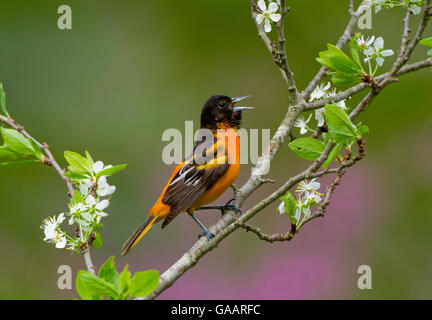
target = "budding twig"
x: 51, y: 161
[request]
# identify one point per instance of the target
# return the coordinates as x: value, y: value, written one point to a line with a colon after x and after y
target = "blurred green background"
x: 128, y: 70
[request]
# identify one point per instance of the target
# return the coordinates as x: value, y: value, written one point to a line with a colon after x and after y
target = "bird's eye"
x: 221, y: 104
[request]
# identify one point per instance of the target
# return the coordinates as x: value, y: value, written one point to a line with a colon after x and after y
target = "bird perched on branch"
x: 203, y: 177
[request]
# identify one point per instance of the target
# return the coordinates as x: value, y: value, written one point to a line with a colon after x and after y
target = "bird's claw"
x: 206, y: 233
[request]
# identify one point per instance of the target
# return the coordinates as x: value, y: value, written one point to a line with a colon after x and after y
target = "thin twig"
x: 286, y: 236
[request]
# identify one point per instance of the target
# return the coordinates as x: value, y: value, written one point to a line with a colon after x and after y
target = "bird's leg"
x: 205, y: 232
x: 227, y: 206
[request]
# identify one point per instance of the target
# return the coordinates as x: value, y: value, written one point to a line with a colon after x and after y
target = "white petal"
x: 315, y: 185
x: 377, y: 9
x: 102, y: 205
x: 319, y: 116
x: 267, y: 25
x: 50, y: 233
x: 380, y: 61
x: 102, y: 182
x: 281, y: 208
x: 60, y: 218
x: 273, y: 7
x: 60, y: 244
x: 387, y: 53
x: 370, y: 40
x: 369, y: 51
x: 259, y: 18
x: 83, y: 189
x: 98, y: 166
x: 90, y: 200
x: 341, y: 104
x: 275, y: 17
x: 262, y: 5
x: 379, y: 43
x: 303, y: 130
x: 297, y: 214
x: 103, y: 214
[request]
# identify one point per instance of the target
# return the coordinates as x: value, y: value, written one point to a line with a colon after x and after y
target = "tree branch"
x: 231, y: 221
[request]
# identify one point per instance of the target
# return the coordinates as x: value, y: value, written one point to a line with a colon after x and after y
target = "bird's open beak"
x: 235, y: 109
x: 235, y: 100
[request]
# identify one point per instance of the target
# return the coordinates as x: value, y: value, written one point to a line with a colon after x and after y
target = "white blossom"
x: 50, y: 227
x: 310, y: 186
x: 103, y: 188
x: 267, y: 14
x: 302, y: 124
x: 313, y: 197
x: 377, y: 51
x: 98, y: 166
x: 364, y: 44
x: 320, y: 91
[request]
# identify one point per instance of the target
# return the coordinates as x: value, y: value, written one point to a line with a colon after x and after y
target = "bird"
x: 204, y: 176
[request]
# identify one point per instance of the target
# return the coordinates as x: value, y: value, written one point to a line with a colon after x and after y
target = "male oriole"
x: 196, y: 181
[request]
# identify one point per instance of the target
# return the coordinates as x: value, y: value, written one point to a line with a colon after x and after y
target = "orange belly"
x: 218, y: 188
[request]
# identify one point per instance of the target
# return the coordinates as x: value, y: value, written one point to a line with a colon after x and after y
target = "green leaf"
x: 97, y: 242
x: 18, y: 163
x: 345, y: 65
x: 333, y: 154
x: 76, y: 176
x: 346, y: 71
x: 15, y: 145
x: 112, y: 170
x: 426, y: 42
x: 78, y: 196
x: 290, y: 206
x: 307, y: 148
x: 89, y: 159
x: 144, y: 283
x: 342, y: 79
x: 355, y: 49
x: 37, y: 150
x: 77, y: 163
x: 98, y: 287
x: 83, y: 290
x: 341, y: 129
x: 109, y: 273
x: 362, y: 130
x: 125, y: 279
x: 3, y: 101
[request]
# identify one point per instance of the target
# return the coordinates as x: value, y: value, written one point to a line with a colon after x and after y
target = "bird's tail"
x: 138, y: 234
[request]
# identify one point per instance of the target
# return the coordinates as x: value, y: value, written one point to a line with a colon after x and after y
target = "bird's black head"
x: 220, y: 112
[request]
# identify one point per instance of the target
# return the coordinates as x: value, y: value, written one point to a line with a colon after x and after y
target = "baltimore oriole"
x: 196, y: 181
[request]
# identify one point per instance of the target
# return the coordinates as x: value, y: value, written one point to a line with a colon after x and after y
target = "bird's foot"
x: 206, y: 233
x: 224, y: 208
